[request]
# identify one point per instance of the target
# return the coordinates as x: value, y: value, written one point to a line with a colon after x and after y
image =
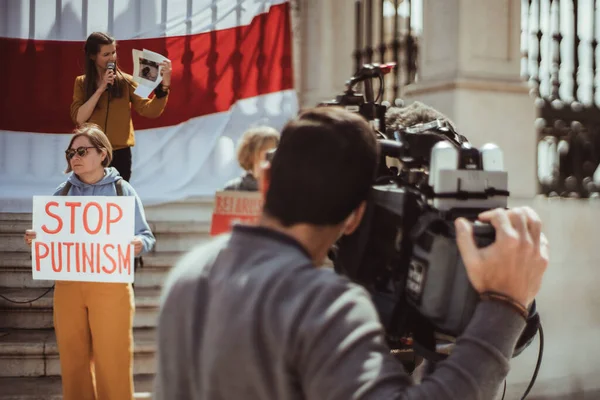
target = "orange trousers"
x: 94, y: 330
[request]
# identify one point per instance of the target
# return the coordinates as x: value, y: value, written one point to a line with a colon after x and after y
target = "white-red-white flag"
x: 232, y: 68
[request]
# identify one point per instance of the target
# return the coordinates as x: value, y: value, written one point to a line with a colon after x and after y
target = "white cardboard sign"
x: 83, y: 238
x: 147, y: 71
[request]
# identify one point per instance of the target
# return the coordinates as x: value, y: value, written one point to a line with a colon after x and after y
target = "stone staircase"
x: 29, y: 362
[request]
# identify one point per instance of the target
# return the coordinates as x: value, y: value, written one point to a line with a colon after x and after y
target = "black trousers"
x: 121, y: 161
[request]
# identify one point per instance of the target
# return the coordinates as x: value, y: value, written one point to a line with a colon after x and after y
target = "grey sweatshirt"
x: 106, y: 187
x: 248, y: 316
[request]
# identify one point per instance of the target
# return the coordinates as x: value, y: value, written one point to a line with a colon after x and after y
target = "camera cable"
x: 27, y: 301
x: 107, y: 109
x: 537, y: 365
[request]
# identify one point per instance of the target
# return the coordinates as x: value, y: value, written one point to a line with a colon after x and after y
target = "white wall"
x: 326, y: 43
x: 569, y: 305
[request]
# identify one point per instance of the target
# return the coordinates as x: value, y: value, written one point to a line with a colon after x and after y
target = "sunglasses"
x: 80, y: 151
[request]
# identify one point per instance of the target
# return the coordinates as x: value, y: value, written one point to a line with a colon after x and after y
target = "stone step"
x: 27, y: 352
x: 180, y: 236
x: 170, y: 236
x: 19, y: 223
x: 38, y: 315
x: 49, y: 388
x: 190, y: 209
x: 15, y: 216
x: 147, y: 277
x: 15, y: 270
x: 13, y: 242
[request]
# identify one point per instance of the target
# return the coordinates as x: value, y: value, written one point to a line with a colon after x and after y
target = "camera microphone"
x: 112, y: 66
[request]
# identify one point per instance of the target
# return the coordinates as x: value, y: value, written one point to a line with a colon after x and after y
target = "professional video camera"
x: 405, y: 251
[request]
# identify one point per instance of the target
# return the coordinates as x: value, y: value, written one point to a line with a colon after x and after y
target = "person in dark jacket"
x: 252, y: 149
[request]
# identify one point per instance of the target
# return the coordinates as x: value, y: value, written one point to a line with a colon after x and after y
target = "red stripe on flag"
x: 211, y: 71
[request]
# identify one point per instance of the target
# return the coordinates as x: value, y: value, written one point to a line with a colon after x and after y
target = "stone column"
x: 469, y: 69
x: 324, y: 59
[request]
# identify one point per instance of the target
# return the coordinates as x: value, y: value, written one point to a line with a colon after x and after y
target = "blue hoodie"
x: 106, y: 187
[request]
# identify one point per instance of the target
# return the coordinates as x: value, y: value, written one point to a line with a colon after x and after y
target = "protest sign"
x: 147, y: 71
x: 232, y: 207
x: 83, y: 238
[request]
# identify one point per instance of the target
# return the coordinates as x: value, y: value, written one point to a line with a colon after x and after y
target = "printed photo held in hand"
x: 147, y: 70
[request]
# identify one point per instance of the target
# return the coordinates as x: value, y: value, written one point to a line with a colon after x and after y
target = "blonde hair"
x: 97, y: 138
x: 252, y: 142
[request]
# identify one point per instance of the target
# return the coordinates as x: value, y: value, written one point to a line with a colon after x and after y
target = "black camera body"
x: 404, y: 252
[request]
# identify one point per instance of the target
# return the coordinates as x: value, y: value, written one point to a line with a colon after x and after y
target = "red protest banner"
x: 232, y: 207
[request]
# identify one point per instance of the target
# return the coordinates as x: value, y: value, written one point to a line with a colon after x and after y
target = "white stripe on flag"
x: 195, y: 158
x: 76, y: 19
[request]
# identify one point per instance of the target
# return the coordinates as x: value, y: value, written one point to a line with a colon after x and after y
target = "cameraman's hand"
x: 514, y: 264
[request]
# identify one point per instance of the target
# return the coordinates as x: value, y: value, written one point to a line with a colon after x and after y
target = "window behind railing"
x: 559, y: 39
x: 388, y: 31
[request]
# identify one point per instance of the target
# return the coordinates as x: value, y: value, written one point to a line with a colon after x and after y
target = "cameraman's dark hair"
x: 415, y: 113
x: 323, y: 168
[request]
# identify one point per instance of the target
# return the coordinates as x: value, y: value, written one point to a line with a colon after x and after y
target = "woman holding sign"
x: 104, y: 95
x: 94, y: 320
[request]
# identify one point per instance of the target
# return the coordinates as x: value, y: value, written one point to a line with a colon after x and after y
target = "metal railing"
x: 559, y: 40
x: 386, y: 32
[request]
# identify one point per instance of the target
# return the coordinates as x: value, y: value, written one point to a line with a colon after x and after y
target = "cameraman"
x: 251, y: 316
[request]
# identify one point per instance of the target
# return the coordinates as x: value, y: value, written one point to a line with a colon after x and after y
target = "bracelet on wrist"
x: 160, y: 92
x: 494, y: 296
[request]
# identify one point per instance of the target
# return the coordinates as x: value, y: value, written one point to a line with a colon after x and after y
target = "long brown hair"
x: 97, y: 138
x: 92, y: 47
